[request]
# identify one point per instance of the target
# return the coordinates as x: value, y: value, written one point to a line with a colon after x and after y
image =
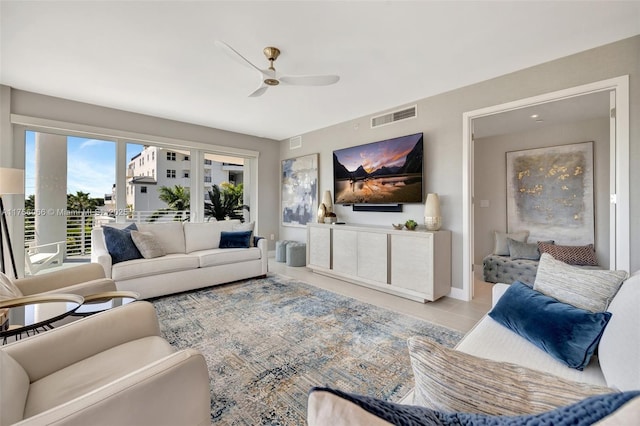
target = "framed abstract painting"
x: 550, y: 193
x: 299, y: 186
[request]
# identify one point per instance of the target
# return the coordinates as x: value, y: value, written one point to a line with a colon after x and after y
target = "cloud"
x: 93, y: 142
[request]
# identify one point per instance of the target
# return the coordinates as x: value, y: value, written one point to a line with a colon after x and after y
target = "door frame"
x: 619, y: 166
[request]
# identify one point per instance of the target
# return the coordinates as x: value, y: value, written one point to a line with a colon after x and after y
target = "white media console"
x: 412, y: 264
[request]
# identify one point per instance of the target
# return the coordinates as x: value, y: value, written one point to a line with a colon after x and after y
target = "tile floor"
x: 446, y: 311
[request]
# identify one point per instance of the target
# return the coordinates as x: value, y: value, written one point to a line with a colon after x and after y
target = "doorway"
x: 618, y: 183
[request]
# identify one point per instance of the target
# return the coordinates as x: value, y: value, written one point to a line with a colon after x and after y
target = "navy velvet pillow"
x: 236, y: 239
x: 582, y: 413
x: 119, y: 243
x: 567, y: 333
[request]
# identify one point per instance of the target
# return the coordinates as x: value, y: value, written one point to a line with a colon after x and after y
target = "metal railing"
x: 78, y: 227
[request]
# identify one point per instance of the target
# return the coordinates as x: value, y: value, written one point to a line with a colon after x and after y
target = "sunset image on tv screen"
x: 385, y: 172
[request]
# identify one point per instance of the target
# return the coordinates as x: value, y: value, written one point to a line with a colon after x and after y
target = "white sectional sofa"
x: 193, y: 259
x: 615, y: 367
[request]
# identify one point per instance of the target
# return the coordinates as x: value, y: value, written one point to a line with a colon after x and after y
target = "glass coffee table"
x: 102, y: 301
x: 32, y: 314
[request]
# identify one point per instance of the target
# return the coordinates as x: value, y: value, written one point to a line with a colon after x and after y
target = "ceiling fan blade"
x: 259, y: 91
x: 310, y: 80
x: 233, y: 54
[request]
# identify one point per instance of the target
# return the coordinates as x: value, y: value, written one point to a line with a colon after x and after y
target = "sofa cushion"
x: 451, y: 380
x: 619, y: 349
x: 501, y: 246
x: 567, y: 333
x: 159, y: 265
x: 590, y: 289
x: 119, y: 243
x: 572, y: 255
x: 147, y: 244
x: 328, y: 406
x: 235, y: 239
x: 170, y: 235
x: 8, y: 289
x: 224, y: 256
x: 14, y: 388
x: 204, y: 236
x: 93, y: 372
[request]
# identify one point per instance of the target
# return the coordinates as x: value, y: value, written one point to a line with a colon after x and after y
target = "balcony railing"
x: 78, y: 227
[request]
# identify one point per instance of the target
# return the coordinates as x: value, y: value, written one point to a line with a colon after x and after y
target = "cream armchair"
x: 83, y: 279
x: 112, y: 368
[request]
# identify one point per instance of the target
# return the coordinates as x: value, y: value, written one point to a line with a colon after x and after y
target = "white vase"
x: 432, y: 217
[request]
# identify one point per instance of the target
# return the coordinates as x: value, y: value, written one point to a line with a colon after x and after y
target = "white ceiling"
x: 159, y: 58
x: 571, y: 110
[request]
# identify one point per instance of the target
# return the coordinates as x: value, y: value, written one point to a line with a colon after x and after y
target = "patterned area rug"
x: 268, y: 341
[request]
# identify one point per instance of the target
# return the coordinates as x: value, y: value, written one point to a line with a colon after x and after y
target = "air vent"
x: 295, y: 143
x: 394, y: 116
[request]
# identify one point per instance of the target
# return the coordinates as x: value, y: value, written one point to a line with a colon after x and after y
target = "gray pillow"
x: 501, y: 246
x: 147, y: 244
x: 590, y: 289
x: 520, y: 250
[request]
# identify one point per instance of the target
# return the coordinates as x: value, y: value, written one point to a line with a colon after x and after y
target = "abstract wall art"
x: 299, y: 200
x: 550, y: 193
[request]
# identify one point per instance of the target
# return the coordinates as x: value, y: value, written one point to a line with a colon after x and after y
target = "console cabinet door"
x: 372, y: 256
x: 320, y: 246
x: 412, y: 263
x: 345, y: 247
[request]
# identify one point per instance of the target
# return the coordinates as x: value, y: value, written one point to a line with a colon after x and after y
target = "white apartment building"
x: 156, y: 167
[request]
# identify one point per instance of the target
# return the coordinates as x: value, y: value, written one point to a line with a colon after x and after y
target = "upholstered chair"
x: 112, y: 368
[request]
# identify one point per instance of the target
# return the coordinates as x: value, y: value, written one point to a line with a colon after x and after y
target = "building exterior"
x: 155, y: 167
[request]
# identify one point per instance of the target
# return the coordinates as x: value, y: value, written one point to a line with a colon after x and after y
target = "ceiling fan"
x: 269, y: 76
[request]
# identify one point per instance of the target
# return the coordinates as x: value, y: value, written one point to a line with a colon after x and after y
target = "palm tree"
x: 80, y: 201
x: 177, y: 198
x: 226, y: 202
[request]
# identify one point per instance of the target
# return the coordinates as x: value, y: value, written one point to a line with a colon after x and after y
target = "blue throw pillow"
x: 567, y: 333
x: 119, y: 243
x: 582, y: 413
x: 237, y: 239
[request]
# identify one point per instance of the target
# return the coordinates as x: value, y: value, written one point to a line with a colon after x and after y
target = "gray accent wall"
x: 440, y: 118
x: 490, y: 179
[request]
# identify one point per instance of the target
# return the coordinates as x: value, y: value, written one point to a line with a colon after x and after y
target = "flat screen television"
x: 384, y: 172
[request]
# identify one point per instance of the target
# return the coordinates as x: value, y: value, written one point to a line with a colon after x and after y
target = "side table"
x: 32, y: 314
x: 99, y: 302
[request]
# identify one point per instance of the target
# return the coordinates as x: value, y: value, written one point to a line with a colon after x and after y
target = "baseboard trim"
x: 458, y: 293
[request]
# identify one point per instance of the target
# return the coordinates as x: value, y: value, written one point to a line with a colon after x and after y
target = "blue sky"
x: 91, y: 165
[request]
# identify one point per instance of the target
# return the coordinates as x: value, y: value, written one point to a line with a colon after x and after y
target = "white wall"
x: 490, y: 179
x: 440, y: 118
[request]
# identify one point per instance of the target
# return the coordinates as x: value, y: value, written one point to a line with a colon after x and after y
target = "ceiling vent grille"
x: 295, y: 142
x: 392, y: 117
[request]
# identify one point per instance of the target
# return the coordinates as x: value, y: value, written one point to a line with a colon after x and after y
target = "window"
x: 207, y: 179
x: 207, y: 162
x: 171, y: 173
x: 186, y: 158
x: 153, y: 155
x: 171, y: 156
x: 143, y: 189
x: 153, y: 173
x: 185, y: 174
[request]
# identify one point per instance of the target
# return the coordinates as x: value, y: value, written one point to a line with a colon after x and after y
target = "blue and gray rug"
x: 268, y: 341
